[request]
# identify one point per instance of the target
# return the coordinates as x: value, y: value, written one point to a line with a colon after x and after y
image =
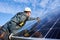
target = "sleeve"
x: 31, y: 18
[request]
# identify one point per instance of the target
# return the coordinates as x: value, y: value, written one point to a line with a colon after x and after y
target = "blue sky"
x: 8, y: 8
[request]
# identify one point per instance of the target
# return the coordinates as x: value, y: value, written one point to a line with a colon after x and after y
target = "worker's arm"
x: 31, y: 18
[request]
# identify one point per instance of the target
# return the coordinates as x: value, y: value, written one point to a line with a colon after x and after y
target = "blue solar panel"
x: 48, y: 27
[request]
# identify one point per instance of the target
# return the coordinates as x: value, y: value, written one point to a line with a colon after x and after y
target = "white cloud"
x: 55, y: 4
x: 44, y: 3
x: 12, y: 8
x: 27, y: 2
x: 22, y: 1
x: 6, y: 8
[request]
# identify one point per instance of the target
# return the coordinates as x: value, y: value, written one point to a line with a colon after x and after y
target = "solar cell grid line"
x: 59, y: 21
x: 52, y: 34
x: 39, y: 29
x: 46, y: 23
x: 31, y: 24
x: 49, y: 24
x: 58, y: 24
x: 34, y: 24
x: 34, y: 27
x: 42, y: 26
x: 38, y: 25
x: 51, y: 27
x: 56, y: 29
x: 53, y: 17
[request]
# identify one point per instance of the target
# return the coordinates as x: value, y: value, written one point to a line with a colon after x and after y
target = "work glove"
x: 38, y: 19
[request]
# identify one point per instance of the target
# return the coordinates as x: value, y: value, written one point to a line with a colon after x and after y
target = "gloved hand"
x: 38, y: 19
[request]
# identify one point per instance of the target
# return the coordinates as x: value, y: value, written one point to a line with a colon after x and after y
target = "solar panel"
x: 48, y: 27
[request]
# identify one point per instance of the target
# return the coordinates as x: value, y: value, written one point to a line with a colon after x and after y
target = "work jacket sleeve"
x: 31, y: 18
